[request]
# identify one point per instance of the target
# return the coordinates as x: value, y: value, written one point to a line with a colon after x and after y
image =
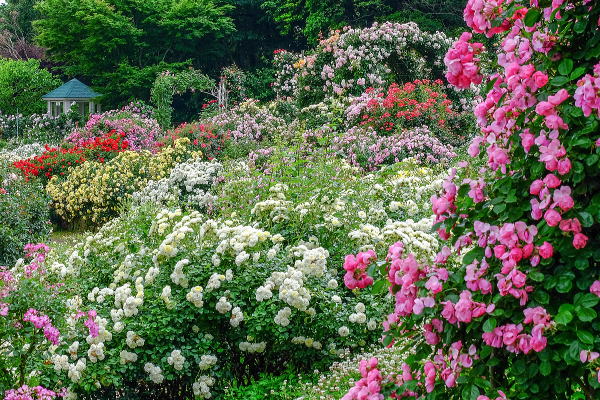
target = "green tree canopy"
x: 309, y: 18
x: 22, y: 85
x: 97, y: 39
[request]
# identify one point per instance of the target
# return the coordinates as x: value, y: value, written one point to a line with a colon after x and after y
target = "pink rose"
x: 552, y: 217
x: 546, y: 250
x: 580, y: 241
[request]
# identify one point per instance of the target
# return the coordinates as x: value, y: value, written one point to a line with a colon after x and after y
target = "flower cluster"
x: 462, y: 62
x: 141, y: 130
x: 57, y: 161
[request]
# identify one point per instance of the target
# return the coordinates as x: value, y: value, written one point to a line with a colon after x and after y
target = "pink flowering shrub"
x: 32, y: 318
x: 137, y: 121
x: 32, y: 393
x: 518, y: 318
x: 368, y: 150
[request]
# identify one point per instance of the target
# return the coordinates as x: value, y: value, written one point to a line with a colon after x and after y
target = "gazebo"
x: 61, y: 100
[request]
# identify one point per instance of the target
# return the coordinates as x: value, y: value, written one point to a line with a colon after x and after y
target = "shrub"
x: 32, y: 310
x: 135, y: 120
x: 22, y: 85
x: 518, y: 319
x: 368, y: 150
x: 201, y: 136
x: 414, y: 104
x: 37, y: 127
x: 25, y: 215
x: 187, y: 185
x: 93, y: 192
x: 351, y: 60
x: 58, y: 161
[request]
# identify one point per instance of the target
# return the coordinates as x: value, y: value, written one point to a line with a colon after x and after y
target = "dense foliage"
x: 22, y: 85
x: 519, y: 318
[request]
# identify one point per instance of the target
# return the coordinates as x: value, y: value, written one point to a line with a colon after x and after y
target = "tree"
x: 22, y: 85
x: 108, y: 41
x: 16, y: 30
x: 310, y: 18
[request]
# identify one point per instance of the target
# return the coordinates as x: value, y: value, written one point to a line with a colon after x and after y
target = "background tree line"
x: 119, y: 46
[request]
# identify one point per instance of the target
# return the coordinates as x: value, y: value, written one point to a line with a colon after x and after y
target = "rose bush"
x: 94, y: 191
x: 518, y: 319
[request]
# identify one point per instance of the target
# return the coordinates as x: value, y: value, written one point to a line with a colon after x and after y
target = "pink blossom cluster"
x: 141, y: 129
x: 595, y: 288
x: 553, y: 200
x: 90, y: 321
x: 369, y: 386
x: 478, y: 14
x: 511, y: 336
x: 369, y: 150
x: 465, y: 309
x: 356, y: 269
x: 462, y: 63
x: 501, y: 396
x: 41, y: 321
x: 8, y: 285
x: 448, y: 366
x: 587, y: 94
x: 37, y: 252
x: 33, y: 393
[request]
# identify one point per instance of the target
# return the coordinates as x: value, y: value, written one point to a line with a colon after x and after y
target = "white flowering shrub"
x: 350, y: 60
x: 188, y: 184
x: 187, y: 302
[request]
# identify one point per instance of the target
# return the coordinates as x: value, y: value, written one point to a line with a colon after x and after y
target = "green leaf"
x: 379, y: 287
x: 580, y: 25
x: 563, y: 318
x: 470, y: 392
x: 541, y: 297
x: 586, y: 219
x: 545, y: 368
x: 566, y: 66
x: 587, y: 300
x: 536, y: 276
x: 387, y: 340
x: 559, y: 81
x: 586, y: 314
x: 532, y: 16
x: 475, y: 254
x: 585, y: 337
x: 577, y: 73
x: 489, y: 325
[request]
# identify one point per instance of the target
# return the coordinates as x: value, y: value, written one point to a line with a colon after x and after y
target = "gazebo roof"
x: 73, y: 89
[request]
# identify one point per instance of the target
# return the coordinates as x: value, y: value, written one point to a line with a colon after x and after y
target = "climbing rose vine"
x: 508, y: 307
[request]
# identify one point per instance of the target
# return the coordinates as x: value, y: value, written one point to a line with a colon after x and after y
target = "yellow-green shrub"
x: 94, y: 191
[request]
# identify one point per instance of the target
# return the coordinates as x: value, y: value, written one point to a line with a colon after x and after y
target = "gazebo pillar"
x: 49, y: 107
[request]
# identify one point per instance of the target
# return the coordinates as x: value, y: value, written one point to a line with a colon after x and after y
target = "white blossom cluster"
x: 207, y: 361
x: 202, y: 387
x: 308, y: 342
x: 133, y: 340
x: 359, y: 317
x: 314, y: 261
x: 188, y: 183
x: 127, y: 357
x: 223, y: 306
x: 176, y: 359
x: 236, y: 317
x: 154, y: 372
x: 283, y: 316
x: 291, y: 288
x: 249, y: 347
x: 194, y: 296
